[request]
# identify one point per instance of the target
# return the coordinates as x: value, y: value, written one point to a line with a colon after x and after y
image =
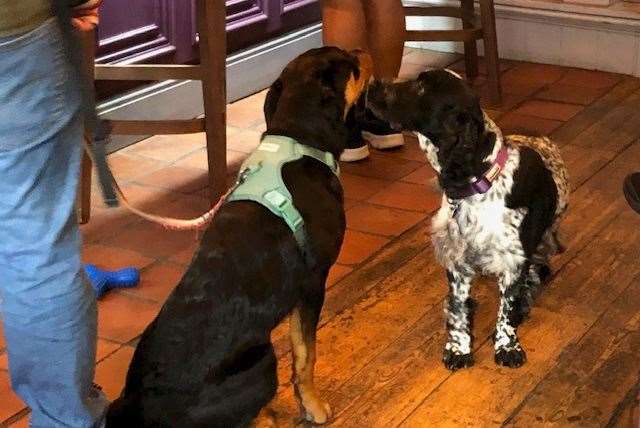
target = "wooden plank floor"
x: 382, y: 329
x: 380, y: 344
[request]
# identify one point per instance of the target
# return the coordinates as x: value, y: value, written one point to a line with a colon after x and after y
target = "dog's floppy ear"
x: 271, y: 101
x: 466, y: 124
x: 468, y: 130
x: 459, y: 144
x: 347, y: 77
x: 334, y: 78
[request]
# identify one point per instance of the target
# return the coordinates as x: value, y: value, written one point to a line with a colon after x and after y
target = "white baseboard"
x: 248, y: 72
x: 598, y: 38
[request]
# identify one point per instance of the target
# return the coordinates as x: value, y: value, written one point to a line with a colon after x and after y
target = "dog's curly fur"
x: 510, y: 231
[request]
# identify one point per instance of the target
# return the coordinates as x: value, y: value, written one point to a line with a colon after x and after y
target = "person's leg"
x: 385, y: 35
x: 385, y: 38
x: 48, y: 309
x: 351, y: 24
x: 377, y: 26
x: 343, y: 24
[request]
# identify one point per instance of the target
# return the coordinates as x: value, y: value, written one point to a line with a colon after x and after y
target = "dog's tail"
x: 549, y: 246
x: 560, y: 247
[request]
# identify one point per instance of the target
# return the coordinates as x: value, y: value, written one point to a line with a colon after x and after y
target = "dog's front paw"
x: 316, y: 410
x: 455, y: 360
x: 512, y: 358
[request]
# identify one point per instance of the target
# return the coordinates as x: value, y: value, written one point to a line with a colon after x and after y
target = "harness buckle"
x: 285, y: 208
x: 276, y: 199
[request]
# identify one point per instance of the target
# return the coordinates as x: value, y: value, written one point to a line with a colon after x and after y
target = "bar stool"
x: 471, y: 31
x: 211, y: 71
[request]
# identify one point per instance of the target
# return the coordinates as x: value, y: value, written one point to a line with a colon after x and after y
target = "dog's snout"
x: 379, y: 95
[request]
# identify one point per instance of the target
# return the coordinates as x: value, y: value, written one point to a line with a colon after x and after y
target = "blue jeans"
x: 47, y: 305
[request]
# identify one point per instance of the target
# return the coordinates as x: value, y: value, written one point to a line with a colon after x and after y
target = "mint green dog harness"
x: 260, y: 178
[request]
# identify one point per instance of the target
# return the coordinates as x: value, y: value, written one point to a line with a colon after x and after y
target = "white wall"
x: 572, y: 36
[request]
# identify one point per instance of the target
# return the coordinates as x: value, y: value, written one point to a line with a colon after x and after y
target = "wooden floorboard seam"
x: 556, y: 273
x: 488, y: 339
x: 577, y: 340
x: 630, y: 399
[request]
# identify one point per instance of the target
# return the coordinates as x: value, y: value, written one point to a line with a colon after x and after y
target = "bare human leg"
x: 344, y: 24
x: 385, y: 35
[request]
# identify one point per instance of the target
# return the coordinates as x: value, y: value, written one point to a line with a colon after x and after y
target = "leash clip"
x: 246, y: 172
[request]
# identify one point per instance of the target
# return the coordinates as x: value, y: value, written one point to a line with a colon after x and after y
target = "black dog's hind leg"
x: 459, y: 314
x: 513, y: 296
x: 265, y: 419
x: 304, y: 321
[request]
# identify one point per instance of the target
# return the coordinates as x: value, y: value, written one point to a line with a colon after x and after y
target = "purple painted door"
x: 165, y: 31
x: 144, y: 31
x: 250, y: 22
x: 148, y: 31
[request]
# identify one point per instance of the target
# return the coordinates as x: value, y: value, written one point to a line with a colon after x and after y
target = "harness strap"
x: 262, y: 179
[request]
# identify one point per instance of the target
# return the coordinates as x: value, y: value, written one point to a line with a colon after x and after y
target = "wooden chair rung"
x: 444, y: 35
x: 453, y: 12
x: 211, y: 16
x: 153, y: 127
x: 474, y: 27
x: 147, y: 72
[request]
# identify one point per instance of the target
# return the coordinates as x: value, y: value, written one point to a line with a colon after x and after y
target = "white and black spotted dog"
x: 503, y: 198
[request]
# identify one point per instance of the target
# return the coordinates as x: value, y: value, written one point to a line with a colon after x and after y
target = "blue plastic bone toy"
x: 103, y: 281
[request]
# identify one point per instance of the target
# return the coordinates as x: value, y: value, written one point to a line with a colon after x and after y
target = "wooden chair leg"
x: 470, y: 48
x: 213, y: 53
x: 488, y: 19
x: 84, y: 193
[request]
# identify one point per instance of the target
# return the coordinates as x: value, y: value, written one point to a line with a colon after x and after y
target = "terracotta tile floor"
x: 385, y: 195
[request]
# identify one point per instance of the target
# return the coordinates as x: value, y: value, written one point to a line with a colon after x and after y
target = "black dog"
x: 502, y: 204
x: 207, y: 359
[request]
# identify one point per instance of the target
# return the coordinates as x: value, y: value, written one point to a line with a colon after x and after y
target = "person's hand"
x: 85, y: 16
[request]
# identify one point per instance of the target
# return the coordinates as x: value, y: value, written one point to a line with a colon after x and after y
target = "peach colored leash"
x: 170, y: 223
x: 85, y: 18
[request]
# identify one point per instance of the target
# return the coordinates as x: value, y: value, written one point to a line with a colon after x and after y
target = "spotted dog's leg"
x: 508, y: 351
x: 525, y: 291
x: 459, y: 314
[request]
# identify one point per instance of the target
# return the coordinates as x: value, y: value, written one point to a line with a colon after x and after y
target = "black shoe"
x: 378, y: 133
x: 357, y: 149
x: 365, y: 129
x: 356, y: 153
x: 632, y: 191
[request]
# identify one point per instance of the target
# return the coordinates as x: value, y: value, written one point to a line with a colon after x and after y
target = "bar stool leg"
x: 470, y: 48
x: 213, y: 53
x: 488, y: 19
x: 84, y: 192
